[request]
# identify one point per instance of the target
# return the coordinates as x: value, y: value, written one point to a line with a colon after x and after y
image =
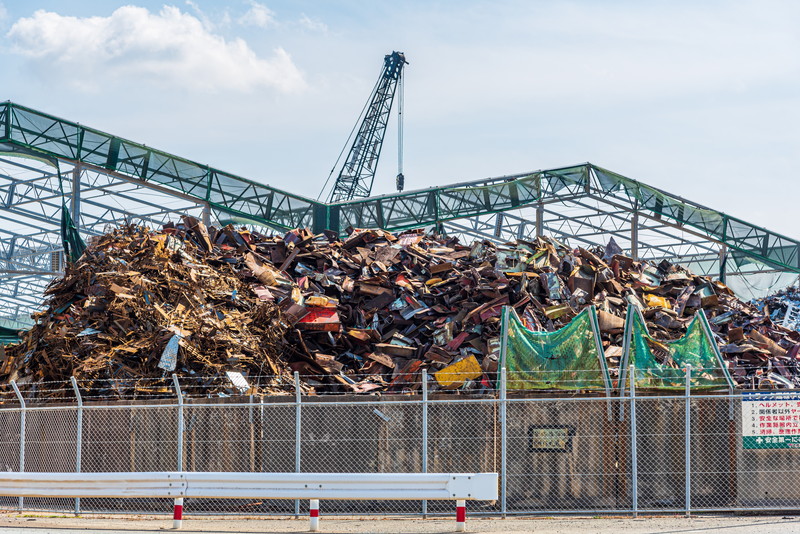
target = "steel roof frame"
x: 109, y: 180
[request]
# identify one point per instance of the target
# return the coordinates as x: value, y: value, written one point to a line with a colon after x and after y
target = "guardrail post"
x: 634, y: 459
x: 21, y: 400
x: 177, y: 514
x: 313, y: 515
x: 503, y: 440
x: 461, y: 515
x: 78, y: 436
x: 687, y: 430
x: 177, y: 509
x: 297, y: 435
x: 425, y: 433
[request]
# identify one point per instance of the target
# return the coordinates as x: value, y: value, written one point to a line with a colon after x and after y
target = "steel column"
x: 723, y: 260
x: 540, y: 219
x: 75, y: 200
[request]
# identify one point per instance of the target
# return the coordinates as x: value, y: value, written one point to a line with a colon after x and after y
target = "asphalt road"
x: 41, y: 524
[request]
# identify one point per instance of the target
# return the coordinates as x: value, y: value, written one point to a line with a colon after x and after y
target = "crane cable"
x: 400, y: 178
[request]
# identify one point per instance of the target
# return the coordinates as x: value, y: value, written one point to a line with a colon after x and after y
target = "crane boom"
x: 358, y: 172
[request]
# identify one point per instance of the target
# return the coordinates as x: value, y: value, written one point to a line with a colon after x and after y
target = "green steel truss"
x: 582, y: 205
x: 223, y: 191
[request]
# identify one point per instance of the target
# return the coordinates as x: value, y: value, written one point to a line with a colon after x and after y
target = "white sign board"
x: 770, y: 420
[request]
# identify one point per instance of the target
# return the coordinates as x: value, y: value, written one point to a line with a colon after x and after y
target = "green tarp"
x: 8, y: 336
x: 662, y: 364
x: 70, y: 238
x: 570, y: 358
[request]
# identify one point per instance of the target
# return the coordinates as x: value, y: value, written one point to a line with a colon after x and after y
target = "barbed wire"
x: 572, y: 381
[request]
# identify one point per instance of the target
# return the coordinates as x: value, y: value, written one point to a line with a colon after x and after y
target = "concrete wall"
x: 590, y: 472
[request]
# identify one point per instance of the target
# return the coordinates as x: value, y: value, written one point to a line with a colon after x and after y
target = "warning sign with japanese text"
x: 770, y: 420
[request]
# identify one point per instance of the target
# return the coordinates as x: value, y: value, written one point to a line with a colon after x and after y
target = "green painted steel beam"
x: 757, y: 242
x: 51, y: 136
x: 244, y: 199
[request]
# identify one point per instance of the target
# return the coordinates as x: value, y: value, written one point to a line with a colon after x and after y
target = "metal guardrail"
x: 233, y: 485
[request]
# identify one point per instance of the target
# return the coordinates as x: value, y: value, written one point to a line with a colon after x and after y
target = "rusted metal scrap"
x: 371, y: 312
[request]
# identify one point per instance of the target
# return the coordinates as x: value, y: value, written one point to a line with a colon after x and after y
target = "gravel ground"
x: 35, y: 524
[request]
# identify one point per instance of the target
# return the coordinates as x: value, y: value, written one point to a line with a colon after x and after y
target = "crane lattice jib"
x: 358, y: 173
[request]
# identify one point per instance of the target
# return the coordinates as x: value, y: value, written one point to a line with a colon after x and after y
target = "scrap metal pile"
x: 242, y: 310
x: 139, y: 305
x: 782, y: 307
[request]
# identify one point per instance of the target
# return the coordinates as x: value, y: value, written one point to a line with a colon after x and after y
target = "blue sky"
x: 700, y: 99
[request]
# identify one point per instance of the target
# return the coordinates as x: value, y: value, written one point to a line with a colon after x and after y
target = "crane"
x: 358, y: 172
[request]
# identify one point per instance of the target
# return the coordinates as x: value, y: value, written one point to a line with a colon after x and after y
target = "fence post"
x: 626, y: 352
x: 21, y: 433
x: 634, y: 459
x: 177, y: 508
x: 687, y: 430
x: 733, y: 466
x: 503, y: 440
x: 424, y: 433
x: 176, y: 383
x: 503, y: 392
x: 78, y: 436
x: 297, y: 433
x: 261, y: 433
x: 731, y: 407
x: 251, y: 421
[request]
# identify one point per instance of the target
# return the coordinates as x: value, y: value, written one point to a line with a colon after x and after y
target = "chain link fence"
x: 628, y: 453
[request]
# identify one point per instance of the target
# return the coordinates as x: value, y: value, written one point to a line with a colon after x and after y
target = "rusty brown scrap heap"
x: 239, y: 311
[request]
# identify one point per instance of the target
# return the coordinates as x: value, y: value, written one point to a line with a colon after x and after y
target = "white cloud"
x: 311, y: 24
x: 225, y: 20
x: 3, y: 12
x: 207, y: 23
x: 258, y: 15
x: 132, y: 44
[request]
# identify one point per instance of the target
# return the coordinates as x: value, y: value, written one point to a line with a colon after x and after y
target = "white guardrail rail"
x: 459, y: 487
